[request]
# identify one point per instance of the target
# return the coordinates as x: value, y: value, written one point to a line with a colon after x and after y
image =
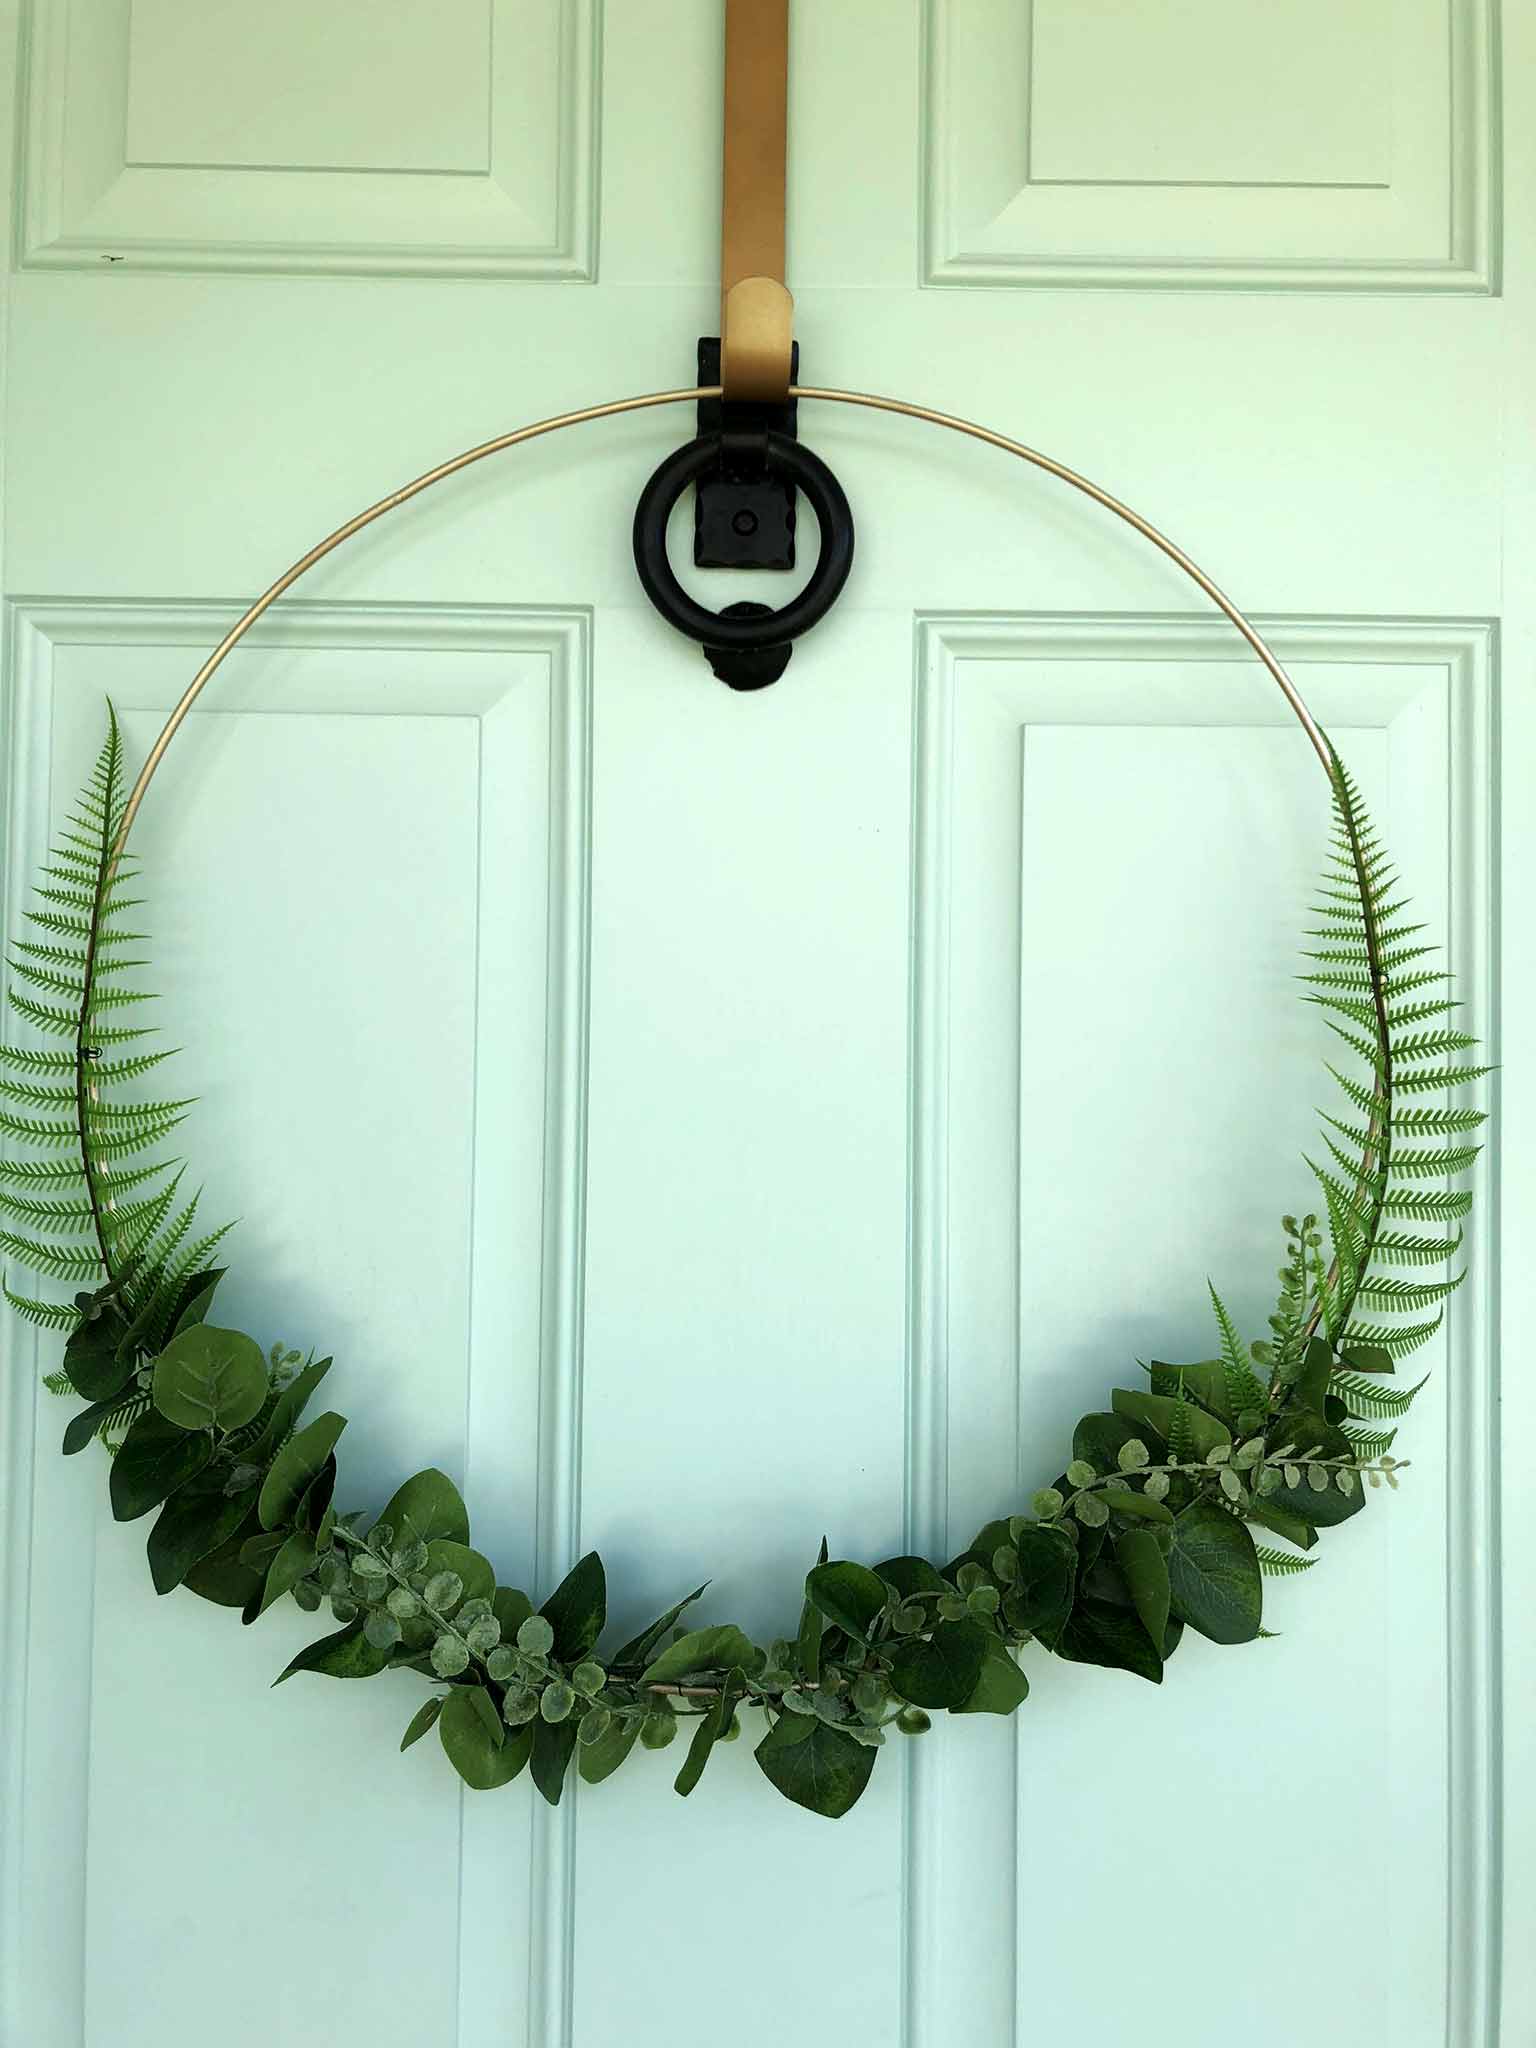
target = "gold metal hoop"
x: 869, y: 400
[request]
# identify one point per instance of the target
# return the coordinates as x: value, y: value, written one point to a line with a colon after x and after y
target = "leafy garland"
x: 1148, y: 1531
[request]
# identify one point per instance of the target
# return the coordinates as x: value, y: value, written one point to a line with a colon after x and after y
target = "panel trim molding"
x: 1462, y: 233
x: 1465, y: 649
x: 486, y: 229
x: 35, y: 629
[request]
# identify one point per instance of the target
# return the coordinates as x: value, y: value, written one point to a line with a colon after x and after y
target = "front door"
x: 705, y: 1122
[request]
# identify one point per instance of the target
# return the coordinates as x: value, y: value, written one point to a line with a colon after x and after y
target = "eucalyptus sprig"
x: 1148, y: 1530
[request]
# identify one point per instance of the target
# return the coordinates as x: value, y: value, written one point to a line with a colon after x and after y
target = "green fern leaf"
x: 28, y: 1059
x: 47, y: 1315
x: 1404, y: 1295
x: 1281, y: 1564
x: 1438, y: 1122
x: 1373, y: 1399
x: 1369, y: 1444
x: 1434, y: 1163
x: 1429, y: 1045
x: 31, y: 1130
x: 1243, y: 1390
x: 1399, y: 1341
x: 1401, y: 1248
x: 57, y: 1261
x: 1450, y: 1203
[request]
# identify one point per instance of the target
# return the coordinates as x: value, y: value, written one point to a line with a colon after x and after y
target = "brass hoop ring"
x: 869, y: 400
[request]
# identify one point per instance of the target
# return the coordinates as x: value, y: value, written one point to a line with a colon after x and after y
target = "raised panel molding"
x: 1427, y: 688
x: 520, y: 680
x: 463, y: 144
x: 1190, y: 144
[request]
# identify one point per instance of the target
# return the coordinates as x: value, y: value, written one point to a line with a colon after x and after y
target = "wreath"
x: 1174, y: 1503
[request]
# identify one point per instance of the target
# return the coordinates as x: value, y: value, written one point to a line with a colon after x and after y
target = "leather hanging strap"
x: 757, y: 314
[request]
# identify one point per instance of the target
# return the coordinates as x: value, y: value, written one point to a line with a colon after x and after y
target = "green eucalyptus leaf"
x: 155, y: 1459
x: 1145, y: 1570
x: 428, y: 1505
x: 482, y: 1753
x: 1001, y: 1686
x: 554, y: 1744
x: 943, y: 1670
x: 814, y: 1765
x: 577, y: 1608
x: 849, y: 1595
x: 600, y: 1759
x: 1205, y: 1382
x: 511, y: 1609
x: 1099, y: 1439
x: 1214, y: 1575
x: 703, y: 1650
x: 448, y: 1656
x: 97, y: 1362
x: 1095, y: 1633
x: 297, y: 1465
x: 421, y: 1721
x: 209, y: 1378
x: 535, y: 1636
x: 286, y: 1410
x: 222, y: 1578
x: 292, y: 1562
x: 197, y: 1299
x: 711, y: 1729
x: 476, y: 1574
x: 1041, y: 1594
x: 196, y: 1519
x: 1125, y: 1500
x: 1284, y: 1521
x: 346, y: 1654
x: 82, y: 1429
x: 638, y: 1649
x: 1155, y: 1412
x: 911, y: 1576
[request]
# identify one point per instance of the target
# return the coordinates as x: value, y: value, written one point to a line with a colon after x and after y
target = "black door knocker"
x: 745, y: 465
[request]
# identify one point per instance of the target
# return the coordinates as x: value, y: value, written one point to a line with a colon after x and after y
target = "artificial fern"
x: 1363, y: 975
x: 104, y: 1218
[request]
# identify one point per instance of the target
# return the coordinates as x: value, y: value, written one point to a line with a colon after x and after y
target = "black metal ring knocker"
x: 748, y: 644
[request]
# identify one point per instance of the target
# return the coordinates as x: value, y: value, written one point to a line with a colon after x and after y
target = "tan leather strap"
x: 756, y: 311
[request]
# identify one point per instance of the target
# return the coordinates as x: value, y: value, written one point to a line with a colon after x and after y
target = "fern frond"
x: 1451, y: 1203
x: 47, y: 1315
x: 60, y: 1216
x: 1429, y: 1045
x: 1243, y: 1390
x: 1434, y: 1163
x: 1281, y: 1564
x: 1374, y: 1399
x: 31, y: 1059
x: 1398, y: 1341
x: 125, y: 1143
x: 1403, y: 1295
x: 58, y: 1261
x: 1425, y: 1080
x: 1438, y: 1122
x: 1420, y: 1013
x: 1401, y: 1248
x: 1368, y: 1444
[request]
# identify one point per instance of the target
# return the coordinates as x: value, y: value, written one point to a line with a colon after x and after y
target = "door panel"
x: 704, y: 1123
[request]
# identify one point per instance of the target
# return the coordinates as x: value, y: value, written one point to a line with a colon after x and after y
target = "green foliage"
x: 75, y: 1224
x: 1147, y: 1530
x: 210, y: 1379
x: 815, y: 1765
x: 1362, y: 977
